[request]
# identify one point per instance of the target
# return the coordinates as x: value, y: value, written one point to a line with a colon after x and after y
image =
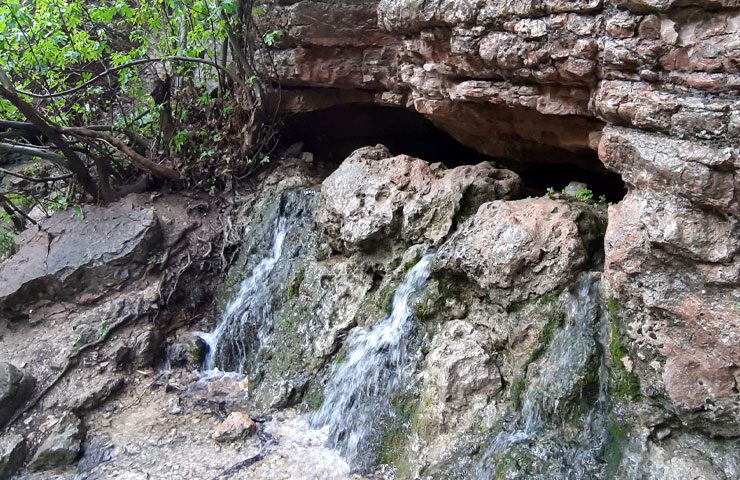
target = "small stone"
x: 187, y: 351
x: 662, y: 433
x: 237, y: 426
x: 13, y: 451
x: 62, y: 446
x: 573, y: 187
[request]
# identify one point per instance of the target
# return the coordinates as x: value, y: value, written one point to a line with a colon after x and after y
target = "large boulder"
x: 16, y: 387
x: 461, y: 375
x: 516, y: 250
x: 373, y: 197
x: 62, y: 446
x: 101, y: 246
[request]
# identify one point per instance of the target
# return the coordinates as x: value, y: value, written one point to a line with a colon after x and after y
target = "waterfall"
x: 251, y: 309
x: 377, y: 366
x: 544, y: 405
x: 282, y: 236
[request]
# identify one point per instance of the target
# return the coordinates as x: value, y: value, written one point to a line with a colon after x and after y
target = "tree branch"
x: 73, y: 162
x: 139, y: 160
x: 133, y: 63
x: 35, y: 179
x: 35, y: 152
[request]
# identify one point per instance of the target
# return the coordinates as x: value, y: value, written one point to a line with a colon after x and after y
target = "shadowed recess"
x: 331, y: 134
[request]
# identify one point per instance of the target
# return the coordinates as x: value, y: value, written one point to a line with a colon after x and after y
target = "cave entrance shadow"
x: 333, y: 133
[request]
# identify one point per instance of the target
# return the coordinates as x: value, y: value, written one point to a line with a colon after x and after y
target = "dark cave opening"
x: 331, y: 134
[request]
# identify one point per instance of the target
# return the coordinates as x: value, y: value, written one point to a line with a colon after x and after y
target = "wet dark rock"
x: 147, y: 349
x: 62, y: 446
x: 13, y: 451
x: 187, y: 351
x: 98, y: 450
x: 16, y: 387
x: 107, y: 246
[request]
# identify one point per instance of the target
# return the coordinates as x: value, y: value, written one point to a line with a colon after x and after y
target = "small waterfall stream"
x: 562, y: 370
x: 279, y: 240
x: 378, y: 365
x: 251, y: 308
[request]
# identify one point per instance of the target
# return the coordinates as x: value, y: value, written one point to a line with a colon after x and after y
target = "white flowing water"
x: 377, y: 366
x: 250, y: 310
x: 562, y: 369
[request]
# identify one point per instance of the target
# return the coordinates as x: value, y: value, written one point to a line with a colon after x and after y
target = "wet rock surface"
x: 62, y: 446
x: 651, y: 86
x: 16, y: 386
x: 102, y: 246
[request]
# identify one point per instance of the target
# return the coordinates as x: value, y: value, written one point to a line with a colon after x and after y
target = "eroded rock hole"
x: 333, y: 133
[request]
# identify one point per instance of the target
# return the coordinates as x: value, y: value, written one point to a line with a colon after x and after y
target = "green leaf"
x: 78, y: 212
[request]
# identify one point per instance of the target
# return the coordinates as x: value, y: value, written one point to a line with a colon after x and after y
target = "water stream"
x: 246, y: 327
x: 378, y: 365
x: 557, y: 385
x: 251, y: 308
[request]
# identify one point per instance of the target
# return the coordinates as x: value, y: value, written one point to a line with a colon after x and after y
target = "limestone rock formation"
x: 672, y: 258
x: 513, y: 250
x: 544, y: 82
x: 16, y: 386
x: 103, y: 247
x: 373, y: 197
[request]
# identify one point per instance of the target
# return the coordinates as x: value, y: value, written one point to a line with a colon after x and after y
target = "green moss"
x: 518, y: 386
x: 386, y: 299
x: 409, y: 265
x: 626, y: 384
x: 546, y: 335
x: 197, y: 352
x: 394, y: 443
x: 613, y: 451
x: 313, y: 399
x: 295, y: 286
x: 286, y: 321
x: 395, y: 263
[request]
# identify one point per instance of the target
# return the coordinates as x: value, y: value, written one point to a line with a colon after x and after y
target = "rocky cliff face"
x: 649, y: 85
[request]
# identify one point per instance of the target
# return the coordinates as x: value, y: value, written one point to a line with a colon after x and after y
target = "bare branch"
x: 36, y: 179
x: 139, y: 160
x: 35, y: 152
x: 133, y: 63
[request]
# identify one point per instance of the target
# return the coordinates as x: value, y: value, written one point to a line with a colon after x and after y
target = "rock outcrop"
x: 651, y: 85
x: 62, y: 446
x: 374, y: 197
x: 13, y: 451
x: 672, y: 259
x: 514, y: 250
x: 100, y: 246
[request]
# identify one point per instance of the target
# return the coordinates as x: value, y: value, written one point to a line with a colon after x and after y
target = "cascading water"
x: 378, y: 365
x: 563, y: 371
x: 247, y: 324
x: 251, y: 309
